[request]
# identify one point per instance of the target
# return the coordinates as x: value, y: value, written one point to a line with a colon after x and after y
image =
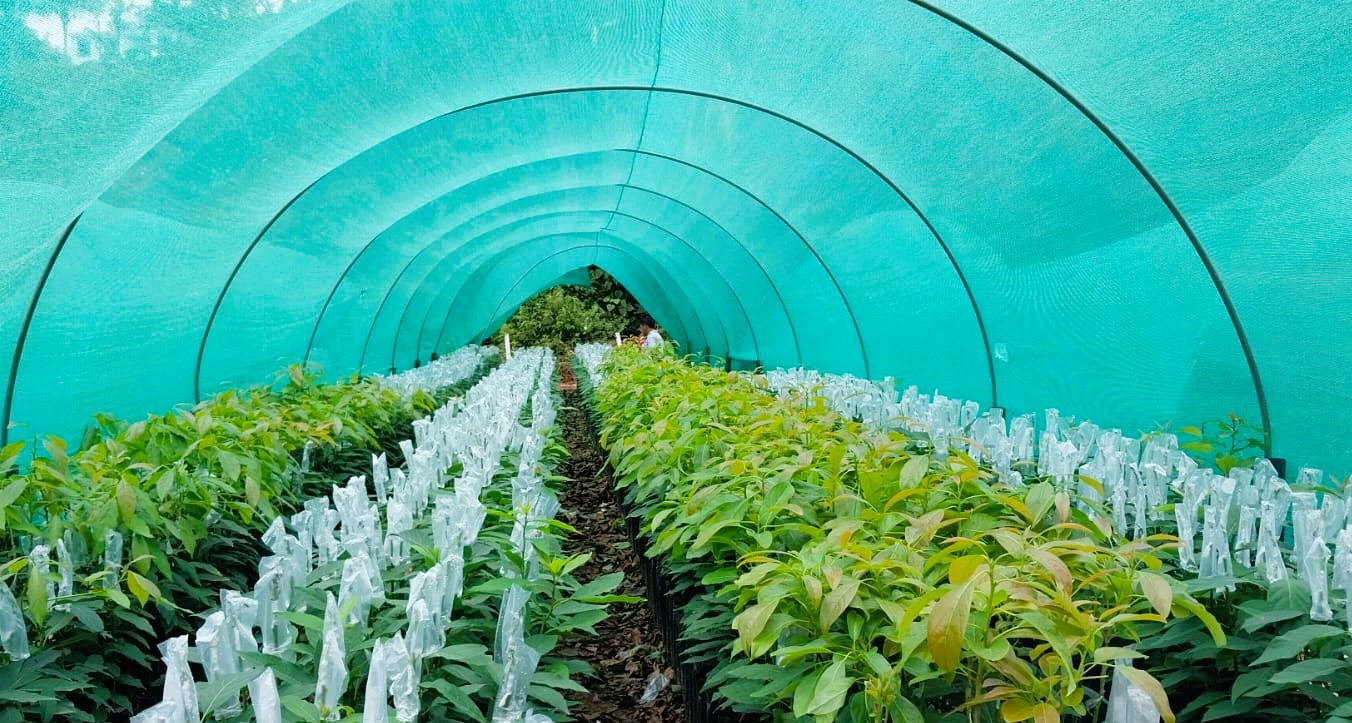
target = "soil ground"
x: 627, y: 652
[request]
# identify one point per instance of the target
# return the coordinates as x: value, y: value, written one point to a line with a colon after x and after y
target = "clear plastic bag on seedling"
x: 275, y: 632
x: 179, y: 686
x: 1342, y: 568
x: 1334, y: 511
x: 331, y: 682
x: 350, y: 501
x: 454, y: 573
x: 1312, y: 562
x: 518, y: 667
x: 162, y: 712
x: 241, y: 615
x: 518, y: 659
x: 1127, y: 703
x: 422, y: 433
x: 657, y: 682
x: 65, y: 568
x: 1194, y: 488
x: 404, y: 679
x: 399, y: 516
x: 425, y: 636
x: 307, y: 455
x: 286, y: 583
x: 1215, y: 558
x: 216, y: 650
x: 355, y: 592
x: 302, y: 523
x: 380, y: 477
x: 1271, y: 522
x: 406, y: 447
x: 430, y: 587
x: 13, y: 630
x: 274, y: 536
x: 264, y: 699
x: 328, y: 544
x: 374, y: 708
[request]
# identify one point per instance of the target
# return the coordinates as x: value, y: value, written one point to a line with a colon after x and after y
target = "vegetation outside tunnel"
x: 563, y: 316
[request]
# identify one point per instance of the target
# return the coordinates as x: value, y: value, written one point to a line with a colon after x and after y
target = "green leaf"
x: 37, y: 596
x: 1203, y: 615
x: 1014, y: 710
x: 212, y: 696
x: 10, y: 493
x: 828, y: 696
x: 1156, y: 589
x: 457, y: 698
x: 948, y: 626
x: 1109, y: 654
x: 126, y: 501
x: 837, y: 601
x: 802, y: 694
x: 1293, y: 642
x: 1146, y: 682
x: 1306, y: 671
x: 904, y: 711
x: 751, y: 621
x: 230, y: 466
x: 142, y: 588
x: 302, y: 709
x: 914, y: 471
x: 1040, y: 498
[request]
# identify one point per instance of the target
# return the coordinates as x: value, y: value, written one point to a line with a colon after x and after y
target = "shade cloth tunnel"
x: 1137, y: 213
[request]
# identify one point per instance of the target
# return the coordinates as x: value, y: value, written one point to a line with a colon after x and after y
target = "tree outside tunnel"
x: 574, y: 312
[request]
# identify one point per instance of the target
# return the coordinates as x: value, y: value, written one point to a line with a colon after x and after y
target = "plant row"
x: 441, y: 595
x: 117, y: 544
x: 849, y: 573
x: 1272, y: 559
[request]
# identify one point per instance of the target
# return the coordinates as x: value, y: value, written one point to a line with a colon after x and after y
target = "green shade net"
x: 1134, y: 212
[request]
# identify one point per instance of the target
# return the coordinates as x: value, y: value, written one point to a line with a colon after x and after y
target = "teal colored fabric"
x: 1134, y: 212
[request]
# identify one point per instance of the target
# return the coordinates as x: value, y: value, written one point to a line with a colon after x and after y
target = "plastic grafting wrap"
x: 380, y: 477
x: 375, y: 705
x: 1342, y: 569
x: 430, y: 587
x: 1127, y: 702
x: 331, y: 681
x: 66, y: 572
x: 162, y: 712
x: 358, y: 588
x: 13, y: 630
x: 179, y: 687
x: 112, y: 558
x: 264, y: 699
x: 216, y: 649
x: 518, y: 659
x: 1312, y: 561
x: 1215, y: 558
x: 241, y: 616
x: 40, y: 569
x: 272, y: 593
x: 404, y: 679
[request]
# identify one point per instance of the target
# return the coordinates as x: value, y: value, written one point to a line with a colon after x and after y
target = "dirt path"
x: 627, y: 653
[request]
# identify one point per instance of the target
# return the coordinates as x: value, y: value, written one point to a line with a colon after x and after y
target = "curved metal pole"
x: 370, y: 244
x: 1155, y: 186
x: 656, y: 285
x: 691, y: 93
x: 531, y: 219
x: 27, y: 323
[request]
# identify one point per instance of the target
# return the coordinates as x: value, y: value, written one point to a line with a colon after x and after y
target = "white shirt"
x: 653, y: 340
